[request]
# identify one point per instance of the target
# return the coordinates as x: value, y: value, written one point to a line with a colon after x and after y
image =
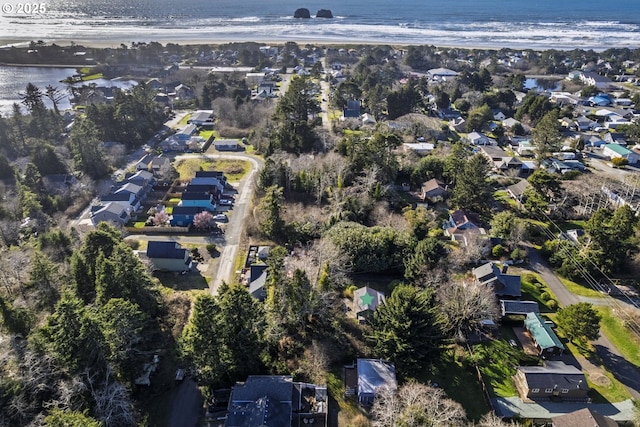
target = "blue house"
x: 197, y: 199
x: 182, y: 216
x: 352, y: 110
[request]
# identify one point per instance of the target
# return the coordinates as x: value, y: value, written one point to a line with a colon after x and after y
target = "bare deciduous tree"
x: 464, y: 305
x: 416, y: 405
x: 490, y: 419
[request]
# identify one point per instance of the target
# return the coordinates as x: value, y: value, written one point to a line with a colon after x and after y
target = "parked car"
x: 513, y: 343
x: 220, y: 218
x: 226, y: 202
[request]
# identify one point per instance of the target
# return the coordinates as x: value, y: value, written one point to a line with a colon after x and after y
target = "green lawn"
x: 206, y: 134
x: 625, y: 341
x: 497, y: 361
x: 234, y: 170
x: 184, y: 120
x: 503, y: 197
x: 532, y: 289
x: 578, y: 289
x: 138, y: 224
x: 91, y: 77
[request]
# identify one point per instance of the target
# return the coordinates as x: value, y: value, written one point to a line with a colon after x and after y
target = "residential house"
x: 448, y: 114
x: 202, y: 118
x: 168, y: 256
x: 209, y: 181
x: 503, y: 284
x: 458, y: 124
x: 219, y: 175
x: 600, y: 100
x: 501, y: 160
x: 143, y: 178
x: 368, y: 119
x: 201, y: 188
x: 613, y: 151
x: 277, y: 401
x: 463, y: 227
x: 593, y: 141
x: 351, y: 110
x: 510, y: 123
x: 367, y: 377
x: 184, y: 92
x: 366, y: 301
x: 112, y: 212
x: 512, y: 307
x: 546, y: 341
x: 615, y: 138
x: 226, y: 144
x: 594, y: 79
x: 553, y: 381
x: 498, y: 115
x: 420, y: 148
x: 585, y: 417
x: 134, y: 191
x: 267, y: 89
x: 526, y: 148
x: 258, y: 281
x: 432, y: 189
x: 441, y: 74
x: 476, y: 138
x: 182, y: 216
x: 516, y: 191
x: 200, y: 200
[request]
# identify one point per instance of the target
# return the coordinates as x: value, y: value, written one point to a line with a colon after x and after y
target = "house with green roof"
x: 613, y: 151
x: 547, y: 342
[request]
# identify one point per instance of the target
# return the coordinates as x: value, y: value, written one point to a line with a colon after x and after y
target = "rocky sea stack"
x: 302, y: 13
x: 324, y: 13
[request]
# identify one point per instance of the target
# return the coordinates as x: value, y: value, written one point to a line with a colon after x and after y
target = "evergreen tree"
x: 426, y: 256
x: 472, y: 190
x: 406, y: 330
x: 579, y: 321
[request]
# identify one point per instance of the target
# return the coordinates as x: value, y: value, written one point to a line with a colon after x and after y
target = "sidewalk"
x: 514, y: 407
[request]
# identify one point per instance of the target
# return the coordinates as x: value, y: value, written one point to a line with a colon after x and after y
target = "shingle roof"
x: 374, y: 373
x: 195, y: 195
x: 518, y: 307
x: 263, y: 401
x: 585, y: 417
x: 554, y: 374
x: 168, y: 250
x: 186, y: 210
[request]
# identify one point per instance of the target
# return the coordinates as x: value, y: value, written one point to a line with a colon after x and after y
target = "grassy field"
x: 184, y: 120
x: 578, y: 289
x: 349, y: 413
x: 625, y: 341
x: 90, y: 77
x: 234, y: 170
x: 503, y: 198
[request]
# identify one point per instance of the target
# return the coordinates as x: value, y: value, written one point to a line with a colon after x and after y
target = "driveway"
x: 185, y: 405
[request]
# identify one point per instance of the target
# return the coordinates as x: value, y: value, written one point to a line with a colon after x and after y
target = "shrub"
x: 212, y: 249
x: 545, y: 296
x: 619, y: 162
x: 518, y: 254
x: 552, y: 304
x: 530, y: 278
x: 497, y: 250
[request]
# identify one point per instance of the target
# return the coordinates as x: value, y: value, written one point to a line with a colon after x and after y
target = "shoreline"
x: 114, y: 44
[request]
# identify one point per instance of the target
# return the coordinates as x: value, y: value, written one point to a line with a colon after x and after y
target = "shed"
x: 546, y: 340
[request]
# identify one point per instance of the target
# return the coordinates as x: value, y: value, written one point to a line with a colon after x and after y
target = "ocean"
x: 538, y: 24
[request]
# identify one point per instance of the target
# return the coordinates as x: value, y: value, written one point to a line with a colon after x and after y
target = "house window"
x: 535, y: 390
x: 564, y: 390
x: 548, y: 390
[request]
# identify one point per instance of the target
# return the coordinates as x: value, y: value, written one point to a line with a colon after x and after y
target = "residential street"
x: 627, y: 373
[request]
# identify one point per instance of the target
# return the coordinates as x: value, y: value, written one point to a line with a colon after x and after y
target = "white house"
x: 613, y: 151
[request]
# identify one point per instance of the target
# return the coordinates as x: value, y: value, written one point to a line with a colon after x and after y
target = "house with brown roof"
x: 585, y: 417
x: 432, y: 189
x: 463, y: 227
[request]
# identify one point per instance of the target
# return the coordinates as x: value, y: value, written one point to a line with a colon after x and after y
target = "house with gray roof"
x: 367, y: 376
x: 258, y: 281
x: 277, y: 401
x: 508, y: 307
x: 504, y: 285
x: 112, y: 212
x: 546, y: 341
x: 366, y: 301
x: 168, y: 256
x: 553, y: 381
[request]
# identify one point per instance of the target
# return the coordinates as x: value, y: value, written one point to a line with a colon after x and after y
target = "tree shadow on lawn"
x: 192, y: 280
x: 623, y: 370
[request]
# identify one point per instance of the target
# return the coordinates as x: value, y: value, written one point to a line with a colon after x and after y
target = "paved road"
x: 186, y: 405
x: 627, y: 373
